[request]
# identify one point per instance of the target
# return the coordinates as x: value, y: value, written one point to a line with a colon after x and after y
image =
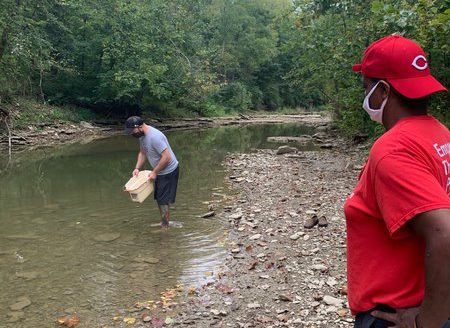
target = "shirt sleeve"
x: 159, y: 143
x: 405, y: 187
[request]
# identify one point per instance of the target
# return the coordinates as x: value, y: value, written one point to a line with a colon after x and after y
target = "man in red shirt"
x: 398, y: 216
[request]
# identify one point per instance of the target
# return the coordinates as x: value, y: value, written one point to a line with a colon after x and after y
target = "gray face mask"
x: 138, y: 134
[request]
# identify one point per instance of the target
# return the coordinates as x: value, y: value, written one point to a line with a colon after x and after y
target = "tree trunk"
x: 3, y: 42
x: 337, y: 103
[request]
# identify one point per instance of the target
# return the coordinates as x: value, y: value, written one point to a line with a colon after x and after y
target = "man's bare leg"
x: 165, y: 215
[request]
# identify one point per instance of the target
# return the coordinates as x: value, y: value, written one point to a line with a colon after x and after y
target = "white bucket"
x: 139, y: 187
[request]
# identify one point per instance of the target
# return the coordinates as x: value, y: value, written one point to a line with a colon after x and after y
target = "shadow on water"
x: 72, y: 241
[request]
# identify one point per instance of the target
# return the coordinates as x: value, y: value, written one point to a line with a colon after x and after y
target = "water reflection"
x: 71, y: 240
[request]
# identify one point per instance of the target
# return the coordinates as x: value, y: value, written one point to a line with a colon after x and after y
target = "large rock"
x: 27, y: 275
x: 330, y: 300
x: 285, y: 150
x: 151, y: 260
x: 301, y: 140
x: 22, y: 302
x: 107, y: 237
x: 86, y: 125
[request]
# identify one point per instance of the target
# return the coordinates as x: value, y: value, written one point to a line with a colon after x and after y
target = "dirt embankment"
x: 49, y: 135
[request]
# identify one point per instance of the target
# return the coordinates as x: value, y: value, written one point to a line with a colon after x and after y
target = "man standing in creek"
x: 155, y: 147
x: 398, y: 215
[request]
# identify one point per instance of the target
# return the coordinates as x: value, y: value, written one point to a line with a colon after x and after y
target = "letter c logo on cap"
x: 417, y: 65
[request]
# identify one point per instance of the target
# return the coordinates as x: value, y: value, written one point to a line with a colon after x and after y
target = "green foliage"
x: 25, y: 112
x: 208, y: 57
x: 328, y: 37
x: 234, y: 96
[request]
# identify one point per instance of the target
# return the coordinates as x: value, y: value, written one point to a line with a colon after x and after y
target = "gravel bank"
x: 278, y: 273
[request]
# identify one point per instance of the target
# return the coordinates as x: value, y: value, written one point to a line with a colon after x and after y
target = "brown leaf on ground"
x: 157, y: 322
x: 253, y: 265
x: 68, y: 321
x: 269, y: 265
x: 225, y: 289
x: 249, y: 249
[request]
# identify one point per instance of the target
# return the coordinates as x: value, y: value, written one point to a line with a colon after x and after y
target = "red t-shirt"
x: 407, y: 173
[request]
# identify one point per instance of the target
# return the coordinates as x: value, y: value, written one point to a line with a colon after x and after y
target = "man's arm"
x: 139, y: 162
x: 165, y: 159
x: 434, y: 227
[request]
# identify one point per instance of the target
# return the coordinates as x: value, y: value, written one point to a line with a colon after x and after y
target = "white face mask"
x: 375, y: 114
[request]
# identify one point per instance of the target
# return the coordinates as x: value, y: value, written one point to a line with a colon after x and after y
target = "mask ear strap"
x: 388, y: 91
x: 387, y: 85
x: 373, y: 89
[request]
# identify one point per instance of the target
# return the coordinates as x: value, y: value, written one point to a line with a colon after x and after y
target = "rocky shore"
x: 279, y: 273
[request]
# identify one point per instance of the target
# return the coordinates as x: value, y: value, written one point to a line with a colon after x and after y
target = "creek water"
x: 71, y: 241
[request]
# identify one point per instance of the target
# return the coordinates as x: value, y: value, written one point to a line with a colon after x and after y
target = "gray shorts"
x: 166, y: 187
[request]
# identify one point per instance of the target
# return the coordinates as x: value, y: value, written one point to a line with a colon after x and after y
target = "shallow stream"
x: 71, y: 241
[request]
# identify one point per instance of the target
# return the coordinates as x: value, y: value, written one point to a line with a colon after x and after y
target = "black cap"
x: 131, y: 123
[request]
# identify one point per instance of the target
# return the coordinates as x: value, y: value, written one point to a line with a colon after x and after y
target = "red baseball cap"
x: 403, y: 63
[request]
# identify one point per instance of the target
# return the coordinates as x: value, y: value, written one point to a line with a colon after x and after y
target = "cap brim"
x: 357, y: 68
x: 417, y: 87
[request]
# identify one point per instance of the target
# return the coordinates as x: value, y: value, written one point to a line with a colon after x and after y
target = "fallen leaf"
x: 249, y: 249
x: 144, y: 315
x: 269, y: 265
x: 69, y: 321
x: 192, y: 291
x: 73, y: 320
x: 129, y: 320
x: 253, y: 265
x: 225, y: 289
x: 342, y: 312
x: 157, y: 322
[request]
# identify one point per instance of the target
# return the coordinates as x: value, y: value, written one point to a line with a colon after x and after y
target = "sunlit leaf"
x: 68, y: 321
x: 129, y: 320
x: 192, y: 291
x: 225, y: 289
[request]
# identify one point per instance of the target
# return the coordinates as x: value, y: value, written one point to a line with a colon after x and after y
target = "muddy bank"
x: 279, y: 273
x: 49, y: 135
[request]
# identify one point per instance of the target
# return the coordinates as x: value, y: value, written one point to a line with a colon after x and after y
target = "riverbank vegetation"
x: 207, y: 57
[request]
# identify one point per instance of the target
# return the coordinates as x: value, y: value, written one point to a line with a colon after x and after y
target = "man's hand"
x: 403, y: 318
x: 135, y: 172
x: 152, y: 176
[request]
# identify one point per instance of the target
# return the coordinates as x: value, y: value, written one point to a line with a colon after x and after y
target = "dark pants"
x: 166, y: 187
x: 365, y: 320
